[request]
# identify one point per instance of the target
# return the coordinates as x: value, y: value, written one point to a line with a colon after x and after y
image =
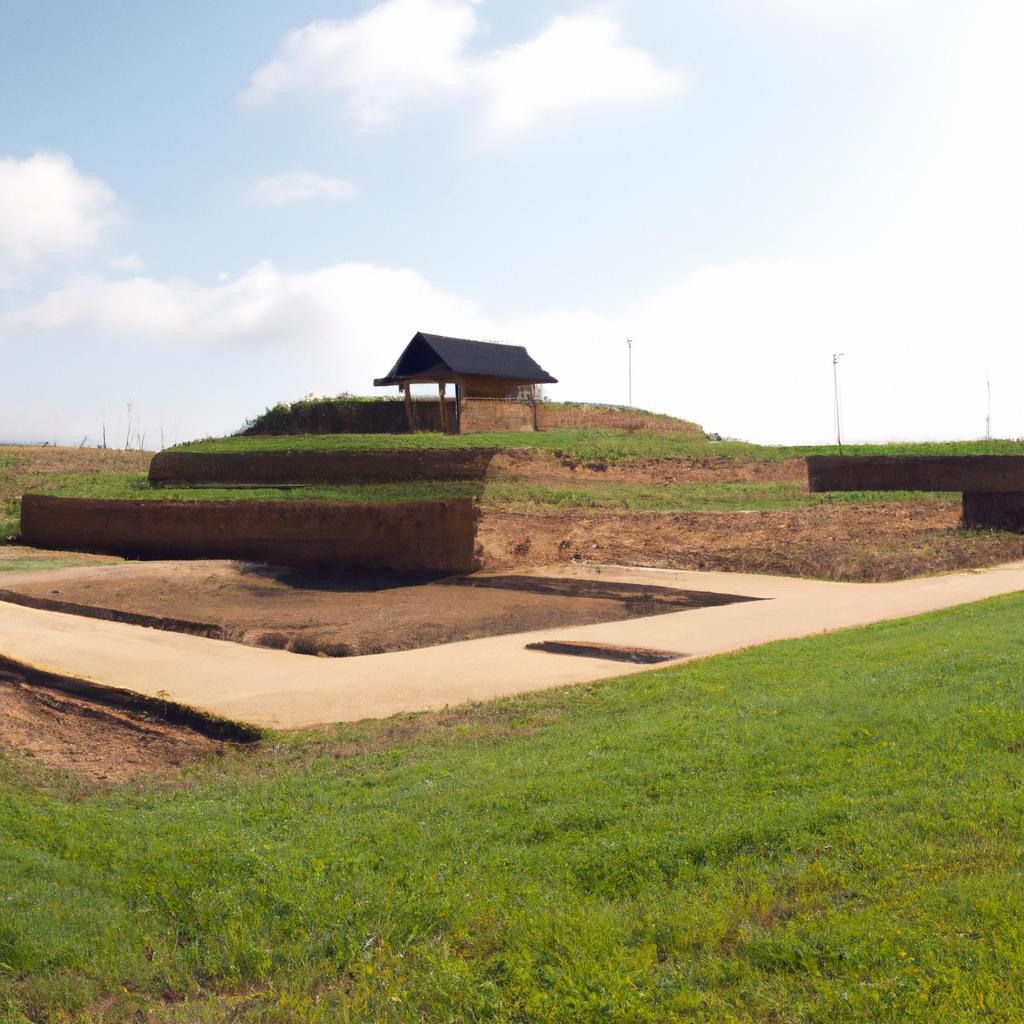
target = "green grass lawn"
x: 135, y: 486
x: 822, y: 830
x: 493, y: 494
x: 682, y: 497
x: 596, y: 445
x: 34, y: 563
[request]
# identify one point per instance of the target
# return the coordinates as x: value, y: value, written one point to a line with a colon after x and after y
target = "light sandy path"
x: 283, y: 690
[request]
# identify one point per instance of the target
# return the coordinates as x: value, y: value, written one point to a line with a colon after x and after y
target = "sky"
x: 206, y: 209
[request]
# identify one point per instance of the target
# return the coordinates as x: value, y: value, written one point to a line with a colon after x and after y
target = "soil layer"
x: 540, y: 467
x: 411, y: 536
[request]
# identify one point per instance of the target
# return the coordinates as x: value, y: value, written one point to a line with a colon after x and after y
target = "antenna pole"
x: 629, y: 349
x: 988, y: 415
x: 836, y: 356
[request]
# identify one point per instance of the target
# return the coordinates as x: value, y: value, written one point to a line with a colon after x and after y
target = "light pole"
x: 836, y: 356
x: 988, y: 416
x: 629, y: 350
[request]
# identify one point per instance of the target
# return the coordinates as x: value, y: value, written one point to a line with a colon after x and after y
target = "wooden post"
x: 458, y: 406
x: 533, y: 404
x: 407, y: 390
x: 444, y: 407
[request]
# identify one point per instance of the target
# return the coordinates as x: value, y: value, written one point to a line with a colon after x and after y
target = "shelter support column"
x: 407, y: 391
x: 533, y: 404
x: 444, y: 407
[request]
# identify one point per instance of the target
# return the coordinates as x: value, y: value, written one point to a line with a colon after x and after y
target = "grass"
x: 136, y: 487
x: 32, y: 563
x: 730, y: 497
x: 595, y: 445
x: 494, y: 494
x: 10, y: 501
x: 820, y: 830
x: 28, y: 468
x: 17, y: 474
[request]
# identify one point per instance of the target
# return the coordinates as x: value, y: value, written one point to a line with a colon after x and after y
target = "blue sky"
x: 208, y: 208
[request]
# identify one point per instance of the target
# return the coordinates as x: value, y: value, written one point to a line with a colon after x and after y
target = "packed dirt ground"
x: 537, y: 467
x: 95, y: 742
x: 854, y: 543
x: 334, y: 614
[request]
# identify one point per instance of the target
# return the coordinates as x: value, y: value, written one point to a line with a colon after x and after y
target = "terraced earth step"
x: 284, y: 468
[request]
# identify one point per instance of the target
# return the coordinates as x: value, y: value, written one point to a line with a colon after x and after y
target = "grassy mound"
x: 826, y: 829
x: 593, y: 445
x: 358, y: 414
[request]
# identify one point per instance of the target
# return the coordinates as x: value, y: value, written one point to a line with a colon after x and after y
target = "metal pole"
x: 836, y: 356
x: 629, y: 348
x: 988, y: 417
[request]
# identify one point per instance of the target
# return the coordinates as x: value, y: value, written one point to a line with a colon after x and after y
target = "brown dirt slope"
x: 859, y: 543
x: 552, y: 416
x: 539, y: 467
x: 97, y: 743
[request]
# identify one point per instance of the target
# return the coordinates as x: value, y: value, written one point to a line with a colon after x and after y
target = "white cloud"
x: 297, y: 187
x: 130, y: 264
x: 47, y: 208
x: 829, y: 14
x: 576, y: 62
x: 294, y: 310
x: 398, y: 51
x: 742, y: 348
x: 412, y: 51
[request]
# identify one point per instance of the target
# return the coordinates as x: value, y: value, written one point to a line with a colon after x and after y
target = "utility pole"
x: 629, y: 349
x: 836, y: 356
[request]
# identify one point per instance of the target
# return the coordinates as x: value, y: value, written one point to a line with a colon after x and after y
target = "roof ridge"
x: 469, y: 357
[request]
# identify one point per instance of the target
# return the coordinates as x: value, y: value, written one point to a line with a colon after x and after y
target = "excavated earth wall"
x: 422, y: 536
x: 255, y: 469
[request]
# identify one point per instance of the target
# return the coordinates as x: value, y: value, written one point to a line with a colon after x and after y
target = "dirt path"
x: 97, y: 743
x: 283, y: 690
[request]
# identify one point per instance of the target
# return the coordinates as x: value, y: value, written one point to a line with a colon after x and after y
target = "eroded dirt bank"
x: 95, y: 742
x: 539, y: 467
x: 859, y: 543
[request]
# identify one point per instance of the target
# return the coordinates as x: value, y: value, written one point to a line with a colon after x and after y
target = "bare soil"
x: 49, y: 460
x: 862, y: 543
x: 334, y: 614
x: 92, y: 741
x: 540, y: 467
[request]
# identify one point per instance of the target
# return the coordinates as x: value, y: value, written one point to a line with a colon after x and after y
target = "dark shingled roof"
x: 430, y: 352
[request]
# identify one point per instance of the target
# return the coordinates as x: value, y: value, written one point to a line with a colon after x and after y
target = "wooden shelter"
x: 479, y: 370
